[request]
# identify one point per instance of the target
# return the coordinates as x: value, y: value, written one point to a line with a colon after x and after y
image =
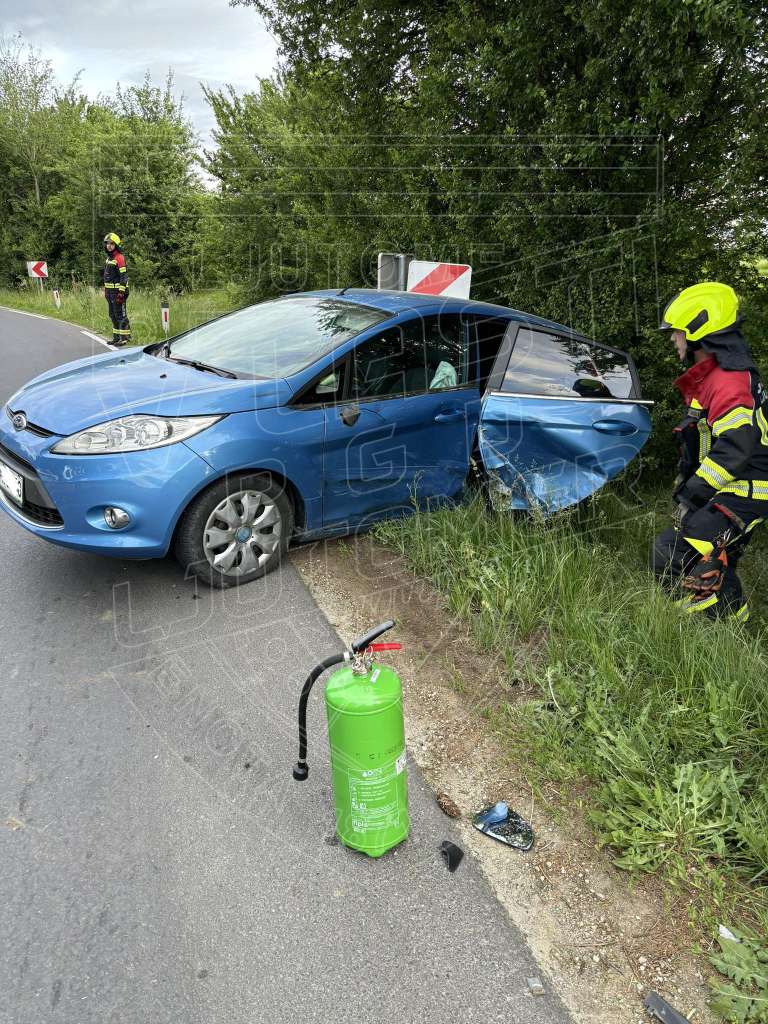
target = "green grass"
x: 664, y: 717
x: 87, y: 307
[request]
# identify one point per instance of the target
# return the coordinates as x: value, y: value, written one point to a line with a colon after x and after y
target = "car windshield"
x: 276, y: 338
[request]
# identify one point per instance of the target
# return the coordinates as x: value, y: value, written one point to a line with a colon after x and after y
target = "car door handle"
x: 449, y: 415
x: 350, y: 414
x: 615, y: 427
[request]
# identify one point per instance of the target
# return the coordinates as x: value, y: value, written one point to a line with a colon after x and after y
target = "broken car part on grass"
x: 504, y: 825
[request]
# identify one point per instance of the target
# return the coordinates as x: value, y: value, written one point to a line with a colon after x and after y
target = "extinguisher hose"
x: 301, y: 771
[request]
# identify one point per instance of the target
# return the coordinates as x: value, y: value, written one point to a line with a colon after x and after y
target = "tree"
x: 74, y: 168
x: 602, y: 155
x: 134, y: 174
x: 38, y: 119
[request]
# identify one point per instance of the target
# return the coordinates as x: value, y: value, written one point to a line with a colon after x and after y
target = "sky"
x: 202, y: 40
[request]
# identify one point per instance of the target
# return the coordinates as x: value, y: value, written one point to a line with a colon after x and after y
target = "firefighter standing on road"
x: 116, y: 289
x: 722, y: 489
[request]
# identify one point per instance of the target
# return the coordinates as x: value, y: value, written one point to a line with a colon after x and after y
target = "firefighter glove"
x: 695, y: 493
x: 706, y: 577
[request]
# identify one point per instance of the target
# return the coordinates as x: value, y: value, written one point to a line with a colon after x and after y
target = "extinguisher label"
x: 400, y: 763
x: 374, y: 798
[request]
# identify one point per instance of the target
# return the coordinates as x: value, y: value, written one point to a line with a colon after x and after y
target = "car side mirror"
x: 588, y: 387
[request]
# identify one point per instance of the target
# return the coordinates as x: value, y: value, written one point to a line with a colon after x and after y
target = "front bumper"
x: 65, y: 496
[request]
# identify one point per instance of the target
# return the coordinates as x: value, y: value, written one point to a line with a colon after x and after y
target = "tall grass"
x: 87, y: 307
x: 665, y: 714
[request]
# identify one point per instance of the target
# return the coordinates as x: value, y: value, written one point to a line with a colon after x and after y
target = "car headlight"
x: 133, y: 434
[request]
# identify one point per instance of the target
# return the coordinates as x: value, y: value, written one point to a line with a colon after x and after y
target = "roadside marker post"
x: 165, y: 318
x: 56, y: 298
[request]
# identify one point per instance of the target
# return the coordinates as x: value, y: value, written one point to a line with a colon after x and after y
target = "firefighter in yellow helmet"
x: 116, y: 289
x: 722, y: 486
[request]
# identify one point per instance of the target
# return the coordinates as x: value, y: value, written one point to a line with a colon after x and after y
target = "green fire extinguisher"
x: 366, y: 732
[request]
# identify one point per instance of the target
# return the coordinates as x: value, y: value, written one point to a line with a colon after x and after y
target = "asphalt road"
x: 158, y: 864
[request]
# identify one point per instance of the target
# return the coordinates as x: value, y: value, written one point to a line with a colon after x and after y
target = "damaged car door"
x: 561, y: 416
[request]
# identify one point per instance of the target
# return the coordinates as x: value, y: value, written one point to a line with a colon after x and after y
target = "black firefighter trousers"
x: 673, y: 557
x: 118, y: 314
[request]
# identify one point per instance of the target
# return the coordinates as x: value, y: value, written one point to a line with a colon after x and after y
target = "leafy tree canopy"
x: 75, y: 168
x: 589, y: 158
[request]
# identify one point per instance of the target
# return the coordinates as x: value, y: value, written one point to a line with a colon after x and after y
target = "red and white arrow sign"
x: 439, y: 278
x: 37, y: 268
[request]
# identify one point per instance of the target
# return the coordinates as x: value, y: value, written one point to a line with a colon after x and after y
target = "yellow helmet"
x: 112, y: 237
x: 701, y: 309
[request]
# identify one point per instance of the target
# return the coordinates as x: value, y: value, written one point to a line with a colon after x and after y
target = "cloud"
x: 201, y: 40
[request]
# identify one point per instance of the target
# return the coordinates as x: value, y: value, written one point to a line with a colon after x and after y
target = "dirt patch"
x: 604, y: 938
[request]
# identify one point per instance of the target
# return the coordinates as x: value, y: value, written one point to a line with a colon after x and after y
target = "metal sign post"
x: 393, y: 270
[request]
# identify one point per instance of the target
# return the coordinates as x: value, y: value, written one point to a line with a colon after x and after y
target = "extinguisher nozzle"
x: 301, y: 771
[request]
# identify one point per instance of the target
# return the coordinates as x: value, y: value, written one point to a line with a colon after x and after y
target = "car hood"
x: 98, y: 388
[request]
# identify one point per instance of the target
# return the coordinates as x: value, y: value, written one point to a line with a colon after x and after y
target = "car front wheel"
x: 235, y: 531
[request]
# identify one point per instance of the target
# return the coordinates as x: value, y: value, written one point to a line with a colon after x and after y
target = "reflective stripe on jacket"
x: 115, y: 272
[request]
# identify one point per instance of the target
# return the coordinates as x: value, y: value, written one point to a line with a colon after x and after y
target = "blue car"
x: 312, y: 415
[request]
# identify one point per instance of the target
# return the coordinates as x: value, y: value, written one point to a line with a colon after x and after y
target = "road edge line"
x: 24, y: 312
x: 95, y: 337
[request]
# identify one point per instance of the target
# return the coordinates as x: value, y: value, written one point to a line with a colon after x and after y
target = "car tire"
x: 236, y: 531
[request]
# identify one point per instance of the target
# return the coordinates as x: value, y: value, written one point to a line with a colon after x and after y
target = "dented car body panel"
x: 549, y: 454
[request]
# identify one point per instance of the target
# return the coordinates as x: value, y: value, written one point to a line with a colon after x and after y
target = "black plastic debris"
x: 504, y: 825
x: 661, y: 1010
x: 452, y: 854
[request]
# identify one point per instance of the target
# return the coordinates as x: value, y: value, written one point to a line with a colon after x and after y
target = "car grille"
x: 36, y: 512
x: 33, y: 428
x: 42, y: 515
x: 15, y: 461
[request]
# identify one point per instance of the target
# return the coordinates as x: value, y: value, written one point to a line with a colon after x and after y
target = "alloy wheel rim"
x: 242, y: 533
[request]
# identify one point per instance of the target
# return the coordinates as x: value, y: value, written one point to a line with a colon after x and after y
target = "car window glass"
x: 412, y: 358
x: 276, y: 338
x: 445, y: 352
x: 547, y: 364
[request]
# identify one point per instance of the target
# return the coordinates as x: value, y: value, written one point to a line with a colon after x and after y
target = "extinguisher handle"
x: 385, y: 647
x: 365, y: 641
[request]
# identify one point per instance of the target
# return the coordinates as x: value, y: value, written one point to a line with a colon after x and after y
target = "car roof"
x: 395, y: 302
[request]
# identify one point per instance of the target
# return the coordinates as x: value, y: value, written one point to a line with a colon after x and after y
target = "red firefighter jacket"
x: 115, y: 273
x: 724, y: 436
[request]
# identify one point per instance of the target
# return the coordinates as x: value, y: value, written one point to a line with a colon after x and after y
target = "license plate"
x: 12, y: 483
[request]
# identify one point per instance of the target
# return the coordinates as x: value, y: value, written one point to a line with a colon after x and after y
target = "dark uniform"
x: 116, y: 291
x: 723, y: 492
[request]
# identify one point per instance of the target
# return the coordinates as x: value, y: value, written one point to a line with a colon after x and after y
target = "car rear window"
x: 549, y: 364
x: 276, y: 338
